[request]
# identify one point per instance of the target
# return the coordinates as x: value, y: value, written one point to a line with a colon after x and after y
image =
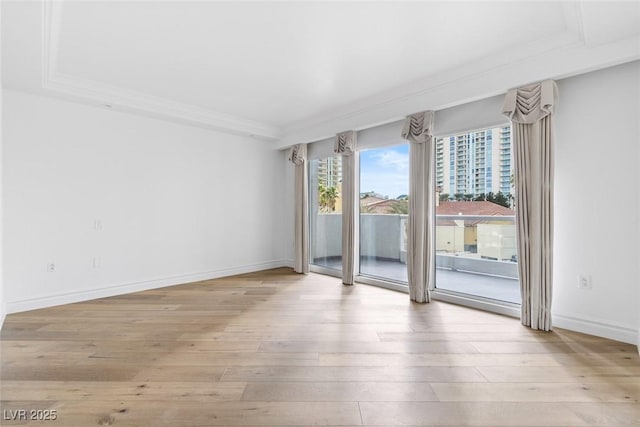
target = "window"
x: 384, y: 204
x: 325, y: 203
x: 475, y: 216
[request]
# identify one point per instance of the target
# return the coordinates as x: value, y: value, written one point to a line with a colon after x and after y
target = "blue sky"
x: 385, y: 170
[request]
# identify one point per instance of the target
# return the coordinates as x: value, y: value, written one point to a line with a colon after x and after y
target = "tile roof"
x: 470, y: 208
x: 374, y: 205
x: 473, y: 208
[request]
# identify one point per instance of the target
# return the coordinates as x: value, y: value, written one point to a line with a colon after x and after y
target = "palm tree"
x: 400, y: 207
x: 328, y: 197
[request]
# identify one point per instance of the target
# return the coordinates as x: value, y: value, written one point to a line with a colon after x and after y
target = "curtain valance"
x: 298, y: 154
x: 345, y: 143
x: 418, y: 127
x: 528, y: 104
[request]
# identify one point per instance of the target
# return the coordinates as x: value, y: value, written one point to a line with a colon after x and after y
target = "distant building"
x: 330, y: 171
x: 490, y: 239
x: 475, y: 162
x: 506, y: 160
x: 482, y: 208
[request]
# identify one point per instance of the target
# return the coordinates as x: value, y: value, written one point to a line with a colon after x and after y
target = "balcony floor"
x: 498, y: 288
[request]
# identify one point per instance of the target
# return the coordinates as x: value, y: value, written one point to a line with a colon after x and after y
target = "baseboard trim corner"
x: 598, y: 329
x: 3, y: 314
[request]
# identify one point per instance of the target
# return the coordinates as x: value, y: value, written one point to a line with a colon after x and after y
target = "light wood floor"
x: 275, y: 348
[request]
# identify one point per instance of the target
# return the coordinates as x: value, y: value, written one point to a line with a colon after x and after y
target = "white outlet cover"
x: 584, y: 282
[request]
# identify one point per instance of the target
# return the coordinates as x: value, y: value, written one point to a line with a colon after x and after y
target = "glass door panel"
x: 325, y: 211
x: 384, y: 204
x: 475, y: 215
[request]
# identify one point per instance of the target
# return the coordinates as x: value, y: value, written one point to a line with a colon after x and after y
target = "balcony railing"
x: 475, y: 254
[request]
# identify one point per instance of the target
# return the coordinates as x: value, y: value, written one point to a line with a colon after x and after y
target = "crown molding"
x: 130, y: 100
x: 450, y: 80
x: 554, y: 57
x: 488, y: 76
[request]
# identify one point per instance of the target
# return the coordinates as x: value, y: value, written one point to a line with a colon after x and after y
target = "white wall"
x: 597, y: 203
x: 176, y: 203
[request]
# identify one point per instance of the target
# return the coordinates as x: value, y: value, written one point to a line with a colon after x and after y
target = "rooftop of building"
x: 473, y: 208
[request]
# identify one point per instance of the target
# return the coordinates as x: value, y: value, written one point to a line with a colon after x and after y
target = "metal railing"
x: 482, y: 243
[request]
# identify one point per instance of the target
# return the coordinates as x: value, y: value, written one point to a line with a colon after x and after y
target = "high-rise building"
x: 506, y: 160
x: 475, y: 162
x: 330, y: 171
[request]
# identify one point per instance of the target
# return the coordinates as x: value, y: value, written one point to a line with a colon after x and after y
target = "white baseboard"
x: 3, y: 313
x: 598, y: 329
x: 126, y: 288
x: 287, y: 263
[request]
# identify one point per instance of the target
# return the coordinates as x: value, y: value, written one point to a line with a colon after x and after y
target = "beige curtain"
x: 417, y: 130
x: 345, y: 145
x: 530, y: 109
x: 298, y: 156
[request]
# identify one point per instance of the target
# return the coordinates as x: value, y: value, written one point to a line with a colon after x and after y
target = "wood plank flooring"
x: 280, y: 349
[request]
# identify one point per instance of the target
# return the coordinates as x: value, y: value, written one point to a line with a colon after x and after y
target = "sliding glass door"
x: 325, y: 212
x: 475, y: 215
x: 384, y: 204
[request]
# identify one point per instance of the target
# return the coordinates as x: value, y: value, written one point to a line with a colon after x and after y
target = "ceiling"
x: 297, y: 71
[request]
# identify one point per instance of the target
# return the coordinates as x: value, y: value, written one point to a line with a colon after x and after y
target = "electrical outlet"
x: 97, y: 224
x: 584, y: 281
x: 96, y: 262
x: 51, y: 267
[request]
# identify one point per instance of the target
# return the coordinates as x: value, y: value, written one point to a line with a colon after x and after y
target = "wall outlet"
x: 584, y: 281
x: 97, y: 224
x: 96, y: 262
x: 51, y: 267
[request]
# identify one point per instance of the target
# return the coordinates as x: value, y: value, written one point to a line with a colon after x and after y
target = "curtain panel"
x: 298, y: 156
x: 418, y: 130
x: 345, y: 145
x: 530, y: 109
